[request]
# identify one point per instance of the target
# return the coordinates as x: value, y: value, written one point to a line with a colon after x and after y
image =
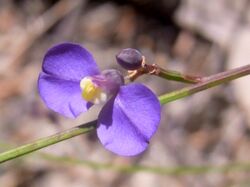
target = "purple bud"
x: 130, y: 59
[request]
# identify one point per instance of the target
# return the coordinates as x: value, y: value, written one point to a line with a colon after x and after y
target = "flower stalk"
x: 206, y: 83
x: 154, y: 69
x: 47, y: 141
x: 203, y: 84
x: 176, y: 76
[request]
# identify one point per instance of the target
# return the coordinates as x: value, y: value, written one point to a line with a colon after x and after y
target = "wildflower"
x: 70, y: 83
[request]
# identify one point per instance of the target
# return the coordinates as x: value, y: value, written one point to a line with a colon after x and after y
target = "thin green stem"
x: 47, y: 141
x: 205, y: 83
x: 176, y: 76
x: 154, y: 69
x: 178, y: 170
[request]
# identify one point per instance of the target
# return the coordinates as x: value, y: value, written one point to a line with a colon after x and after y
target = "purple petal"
x: 128, y: 121
x: 70, y: 62
x: 62, y: 96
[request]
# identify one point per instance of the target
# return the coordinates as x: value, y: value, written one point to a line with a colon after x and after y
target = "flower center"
x: 91, y: 92
x: 99, y: 88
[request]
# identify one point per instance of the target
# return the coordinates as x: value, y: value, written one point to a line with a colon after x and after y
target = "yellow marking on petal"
x: 92, y: 93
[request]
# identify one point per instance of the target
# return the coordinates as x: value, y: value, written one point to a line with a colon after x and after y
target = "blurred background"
x: 211, y: 128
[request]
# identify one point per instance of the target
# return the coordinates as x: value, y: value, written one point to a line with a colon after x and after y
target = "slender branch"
x: 176, y: 76
x: 178, y: 170
x: 47, y: 141
x: 154, y: 69
x: 206, y: 83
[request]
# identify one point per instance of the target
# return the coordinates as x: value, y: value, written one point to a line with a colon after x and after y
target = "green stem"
x: 154, y: 69
x: 176, y: 76
x: 44, y: 142
x: 205, y: 83
x: 178, y: 170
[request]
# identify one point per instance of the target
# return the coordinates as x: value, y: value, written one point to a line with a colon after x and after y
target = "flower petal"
x: 70, y: 62
x: 128, y: 121
x: 62, y: 96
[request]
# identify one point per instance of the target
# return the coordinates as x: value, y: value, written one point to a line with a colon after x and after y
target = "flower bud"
x: 130, y: 59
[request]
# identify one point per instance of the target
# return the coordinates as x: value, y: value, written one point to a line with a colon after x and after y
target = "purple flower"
x: 70, y: 83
